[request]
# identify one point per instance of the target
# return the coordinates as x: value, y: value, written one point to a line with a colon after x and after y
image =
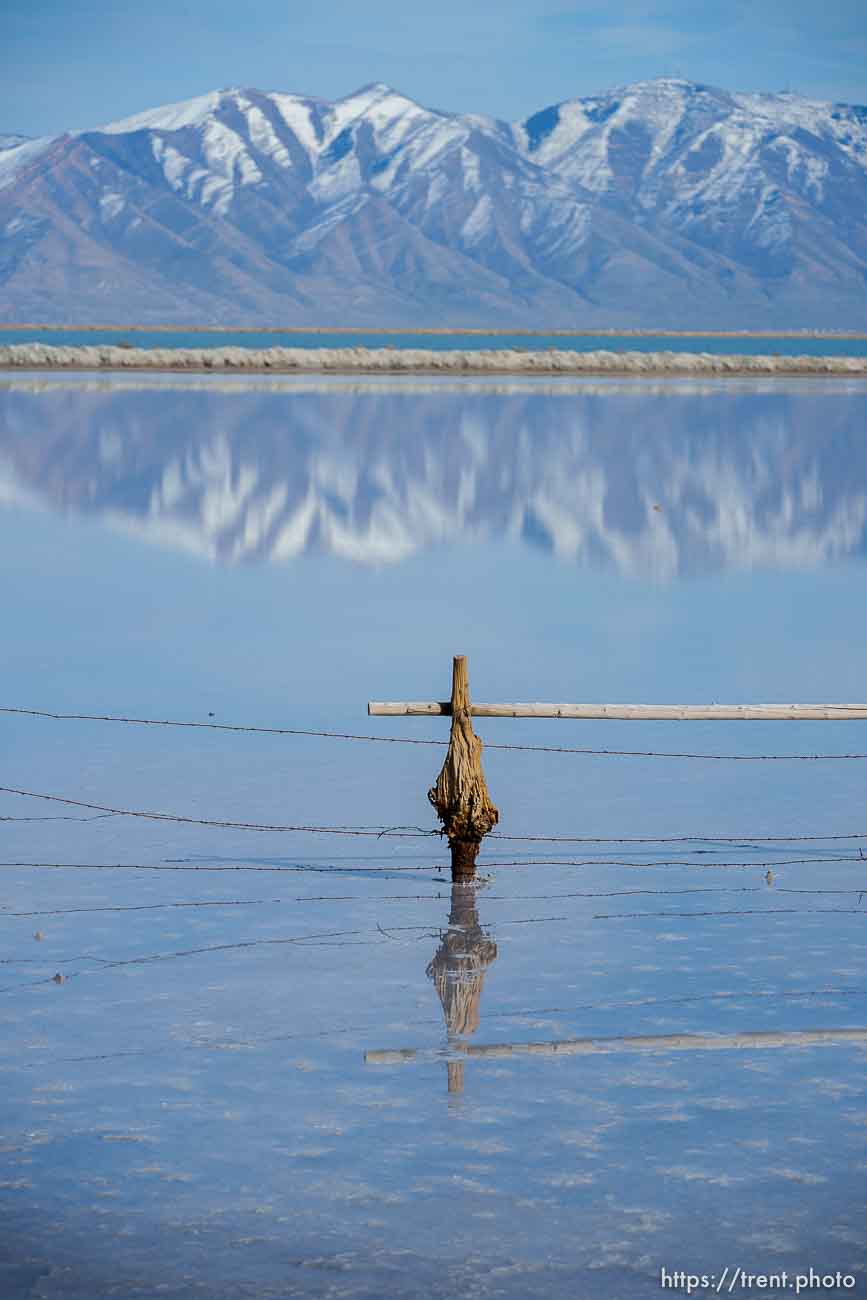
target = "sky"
x: 70, y: 64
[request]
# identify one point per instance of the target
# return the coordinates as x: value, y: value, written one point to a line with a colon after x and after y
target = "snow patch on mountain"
x: 19, y: 156
x: 111, y: 205
x: 330, y: 219
x: 171, y: 117
x: 264, y: 138
x: 303, y: 118
x: 661, y: 203
x: 12, y: 140
x: 385, y: 110
x: 339, y: 181
x: 175, y: 166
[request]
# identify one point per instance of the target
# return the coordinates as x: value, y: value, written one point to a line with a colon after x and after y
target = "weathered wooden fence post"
x: 460, y: 795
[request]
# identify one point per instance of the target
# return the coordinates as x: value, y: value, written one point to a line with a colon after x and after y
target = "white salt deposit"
x: 413, y: 360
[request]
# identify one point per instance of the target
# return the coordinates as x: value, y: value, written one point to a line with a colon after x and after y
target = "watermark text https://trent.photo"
x: 731, y: 1280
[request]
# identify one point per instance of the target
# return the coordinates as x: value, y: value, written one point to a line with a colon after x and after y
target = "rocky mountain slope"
x: 664, y: 203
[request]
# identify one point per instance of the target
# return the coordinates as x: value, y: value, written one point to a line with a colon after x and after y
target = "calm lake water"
x: 287, y: 1063
x: 822, y: 346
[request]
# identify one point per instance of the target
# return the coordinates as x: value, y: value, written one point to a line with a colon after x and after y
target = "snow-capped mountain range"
x: 652, y: 483
x: 663, y: 203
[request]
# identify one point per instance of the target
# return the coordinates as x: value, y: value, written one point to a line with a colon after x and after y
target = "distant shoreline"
x: 421, y: 331
x: 385, y: 361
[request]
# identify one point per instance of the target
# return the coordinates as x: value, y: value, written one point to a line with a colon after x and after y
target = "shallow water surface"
x: 251, y: 1059
x: 767, y: 345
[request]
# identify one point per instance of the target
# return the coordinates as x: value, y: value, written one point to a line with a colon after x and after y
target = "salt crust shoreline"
x: 387, y: 360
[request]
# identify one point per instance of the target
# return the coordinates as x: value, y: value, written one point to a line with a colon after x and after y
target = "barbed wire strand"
x: 171, y: 866
x: 407, y: 740
x: 105, y: 964
x: 303, y: 868
x: 403, y: 832
x: 303, y: 940
x: 663, y: 862
x: 55, y: 817
x: 376, y: 831
x: 750, y: 911
x: 674, y: 839
x: 420, y: 898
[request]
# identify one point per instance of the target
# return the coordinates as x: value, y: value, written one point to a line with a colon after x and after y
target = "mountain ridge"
x: 661, y: 203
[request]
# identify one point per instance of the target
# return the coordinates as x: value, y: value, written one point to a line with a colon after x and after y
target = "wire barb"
x: 408, y: 740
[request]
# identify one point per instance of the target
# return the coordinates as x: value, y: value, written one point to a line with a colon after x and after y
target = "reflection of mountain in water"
x: 650, y: 481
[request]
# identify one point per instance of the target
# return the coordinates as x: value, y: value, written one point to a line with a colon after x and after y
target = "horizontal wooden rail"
x: 643, y: 712
x: 747, y: 1041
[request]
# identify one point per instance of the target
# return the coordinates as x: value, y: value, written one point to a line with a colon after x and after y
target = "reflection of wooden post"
x: 456, y: 1076
x: 460, y: 795
x: 459, y: 965
x: 458, y: 972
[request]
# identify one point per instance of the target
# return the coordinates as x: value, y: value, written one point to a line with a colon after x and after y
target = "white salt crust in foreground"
x: 402, y: 360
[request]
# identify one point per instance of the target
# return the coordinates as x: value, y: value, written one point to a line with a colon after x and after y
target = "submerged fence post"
x: 460, y: 795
